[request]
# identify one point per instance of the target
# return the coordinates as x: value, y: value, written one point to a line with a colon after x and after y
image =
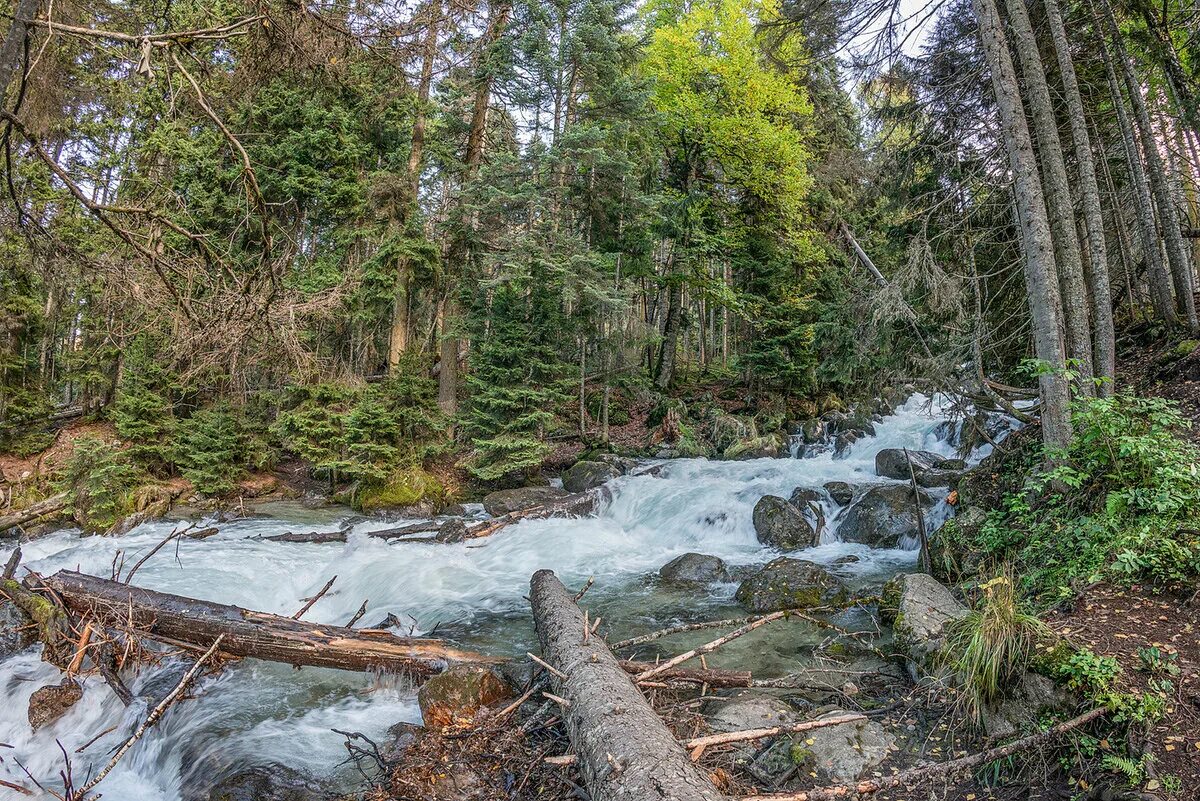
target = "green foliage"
x: 143, y: 412
x: 99, y: 480
x: 209, y: 450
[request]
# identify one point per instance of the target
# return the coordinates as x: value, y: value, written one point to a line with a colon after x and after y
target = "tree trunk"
x: 1104, y: 334
x: 1040, y: 282
x: 175, y: 619
x: 664, y: 371
x: 14, y: 44
x: 49, y: 506
x: 1160, y: 281
x: 625, y: 751
x: 1057, y: 195
x: 1181, y: 270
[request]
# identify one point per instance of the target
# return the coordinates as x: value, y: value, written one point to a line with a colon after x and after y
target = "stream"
x: 258, y: 713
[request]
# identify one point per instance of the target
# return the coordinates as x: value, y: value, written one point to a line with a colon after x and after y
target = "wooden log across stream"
x: 177, y: 620
x: 626, y: 752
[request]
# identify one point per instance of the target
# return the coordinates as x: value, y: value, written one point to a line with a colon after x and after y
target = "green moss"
x: 1052, y: 662
x: 405, y: 487
x: 889, y: 600
x: 764, y: 444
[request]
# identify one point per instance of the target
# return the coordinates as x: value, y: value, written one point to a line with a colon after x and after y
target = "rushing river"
x: 256, y: 713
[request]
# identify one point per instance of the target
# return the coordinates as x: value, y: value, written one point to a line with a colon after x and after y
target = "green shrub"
x: 99, y: 480
x: 209, y: 450
x: 143, y: 412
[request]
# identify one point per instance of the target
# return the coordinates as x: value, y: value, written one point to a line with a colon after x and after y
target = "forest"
x: 876, y: 318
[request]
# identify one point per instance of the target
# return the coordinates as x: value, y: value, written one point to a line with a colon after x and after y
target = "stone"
x: 401, y: 737
x: 884, y: 517
x: 950, y: 464
x: 49, y: 703
x: 933, y: 477
x: 502, y: 502
x: 810, y: 502
x: 695, y: 568
x: 841, y: 492
x: 787, y: 583
x: 844, y: 753
x: 781, y: 525
x: 891, y: 462
x: 726, y: 430
x: 583, y: 476
x: 406, y: 487
x: 843, y: 441
x: 920, y: 609
x: 625, y: 464
x: 15, y: 633
x: 748, y: 711
x: 1027, y: 702
x: 271, y: 782
x: 770, y: 446
x: 458, y: 693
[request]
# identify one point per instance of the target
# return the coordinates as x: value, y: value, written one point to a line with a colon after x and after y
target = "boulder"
x: 920, y: 609
x: 272, y: 782
x: 841, y: 492
x: 1027, y: 703
x: 843, y: 441
x: 884, y: 517
x: 813, y: 430
x: 790, y: 584
x: 49, y: 703
x: 400, y: 737
x: 749, y: 711
x: 458, y: 693
x: 844, y: 753
x: 15, y: 632
x: 502, y: 502
x: 695, y: 568
x: 781, y: 525
x: 725, y: 430
x: 624, y: 464
x: 810, y: 502
x: 770, y: 446
x: 583, y: 476
x: 406, y: 487
x: 948, y: 557
x: 950, y: 464
x: 934, y: 477
x: 891, y: 463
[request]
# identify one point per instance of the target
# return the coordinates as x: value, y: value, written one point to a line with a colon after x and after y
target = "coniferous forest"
x: 874, y: 318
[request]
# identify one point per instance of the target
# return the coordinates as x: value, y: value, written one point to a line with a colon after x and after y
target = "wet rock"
x: 841, y: 492
x: 920, y: 609
x: 844, y: 753
x: 883, y: 517
x: 790, y: 584
x: 625, y: 464
x: 401, y: 737
x: 311, y: 537
x: 810, y: 503
x: 458, y: 693
x: 502, y: 502
x: 843, y: 441
x: 272, y: 782
x: 934, y: 477
x: 389, y: 622
x: 157, y: 685
x: 950, y: 464
x: 748, y: 711
x: 583, y: 476
x: 15, y: 632
x: 202, y: 533
x: 452, y: 530
x: 891, y: 463
x: 1027, y: 703
x: 695, y: 568
x: 770, y: 446
x: 49, y: 703
x: 781, y: 525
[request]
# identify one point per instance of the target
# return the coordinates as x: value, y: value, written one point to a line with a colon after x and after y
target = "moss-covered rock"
x: 1184, y: 349
x: 585, y: 475
x: 920, y: 609
x: 770, y: 446
x: 791, y: 584
x: 782, y: 525
x: 458, y: 693
x: 406, y: 487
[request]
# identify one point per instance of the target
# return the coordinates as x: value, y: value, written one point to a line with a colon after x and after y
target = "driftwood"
x: 696, y: 745
x: 921, y: 773
x: 626, y: 752
x: 49, y: 506
x: 177, y: 620
x: 580, y: 504
x: 713, y: 677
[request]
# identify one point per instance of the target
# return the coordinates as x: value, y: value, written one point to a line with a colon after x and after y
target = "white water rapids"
x: 256, y: 713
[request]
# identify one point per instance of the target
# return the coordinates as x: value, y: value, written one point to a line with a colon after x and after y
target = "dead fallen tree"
x: 625, y: 751
x: 176, y: 620
x: 52, y: 505
x: 580, y: 504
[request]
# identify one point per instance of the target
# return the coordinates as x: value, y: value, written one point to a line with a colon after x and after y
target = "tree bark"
x: 1057, y: 195
x: 55, y: 503
x: 177, y: 620
x: 14, y: 44
x: 664, y: 372
x: 1181, y: 270
x: 1040, y: 281
x: 1104, y: 334
x: 626, y: 752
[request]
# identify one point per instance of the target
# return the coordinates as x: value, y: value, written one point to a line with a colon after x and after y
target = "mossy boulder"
x: 920, y: 609
x: 502, y: 502
x: 770, y: 446
x: 782, y: 525
x: 408, y: 486
x: 458, y: 693
x: 787, y: 583
x: 1184, y: 349
x: 725, y: 430
x: 49, y: 703
x: 695, y: 568
x: 884, y: 517
x: 586, y: 475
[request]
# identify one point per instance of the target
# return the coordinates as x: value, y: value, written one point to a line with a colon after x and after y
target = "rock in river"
x: 502, y: 502
x: 458, y: 693
x: 583, y: 476
x: 781, y: 525
x: 841, y: 492
x: 883, y: 517
x: 790, y: 584
x: 695, y: 568
x: 890, y: 462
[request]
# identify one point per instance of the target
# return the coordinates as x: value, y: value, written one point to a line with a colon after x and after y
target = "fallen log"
x: 941, y: 770
x: 626, y: 752
x: 177, y: 620
x: 713, y: 677
x: 49, y: 506
x: 580, y: 504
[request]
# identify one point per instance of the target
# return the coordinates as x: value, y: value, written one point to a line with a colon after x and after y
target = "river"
x: 256, y: 713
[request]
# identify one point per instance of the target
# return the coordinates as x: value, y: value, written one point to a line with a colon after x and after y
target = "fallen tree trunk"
x: 177, y: 620
x: 578, y: 505
x: 626, y: 752
x: 51, y: 505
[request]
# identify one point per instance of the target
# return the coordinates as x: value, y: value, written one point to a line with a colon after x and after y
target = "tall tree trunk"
x: 1040, y: 280
x: 398, y: 342
x: 14, y: 44
x: 1089, y: 193
x: 1057, y: 195
x: 1159, y: 279
x: 460, y: 250
x: 1181, y: 270
x: 664, y: 371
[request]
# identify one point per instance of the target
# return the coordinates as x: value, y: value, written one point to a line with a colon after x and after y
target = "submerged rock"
x: 781, y: 525
x: 891, y: 463
x: 749, y: 711
x: 458, y: 693
x: 790, y: 584
x: 843, y: 753
x: 695, y: 568
x: 502, y: 502
x: 920, y: 609
x: 272, y: 782
x: 15, y: 632
x: 883, y: 517
x: 841, y: 492
x: 49, y: 703
x: 583, y: 476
